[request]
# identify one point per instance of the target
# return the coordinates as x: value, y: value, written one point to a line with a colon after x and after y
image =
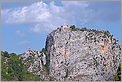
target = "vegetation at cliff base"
x: 117, y: 76
x: 13, y: 69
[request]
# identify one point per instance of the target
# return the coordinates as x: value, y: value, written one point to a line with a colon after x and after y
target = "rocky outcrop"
x: 36, y: 63
x: 82, y: 54
x: 74, y: 54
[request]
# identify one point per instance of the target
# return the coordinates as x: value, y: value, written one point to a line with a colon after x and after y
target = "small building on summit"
x: 66, y: 27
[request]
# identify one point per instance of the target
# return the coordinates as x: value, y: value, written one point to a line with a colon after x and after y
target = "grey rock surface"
x: 82, y: 55
x: 35, y: 62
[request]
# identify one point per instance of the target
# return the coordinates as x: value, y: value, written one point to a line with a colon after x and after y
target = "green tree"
x: 44, y: 51
x: 13, y: 69
x: 5, y: 54
x: 73, y: 28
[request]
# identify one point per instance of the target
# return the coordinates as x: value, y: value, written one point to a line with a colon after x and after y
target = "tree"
x: 73, y: 28
x: 13, y: 69
x: 44, y: 51
x: 5, y: 54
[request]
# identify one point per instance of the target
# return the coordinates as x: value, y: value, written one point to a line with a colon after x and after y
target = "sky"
x: 26, y: 24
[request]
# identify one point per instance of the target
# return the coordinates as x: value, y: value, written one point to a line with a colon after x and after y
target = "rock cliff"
x: 76, y: 55
x: 82, y: 54
x: 36, y: 63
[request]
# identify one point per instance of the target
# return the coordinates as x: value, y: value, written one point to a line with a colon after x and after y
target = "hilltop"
x: 73, y: 54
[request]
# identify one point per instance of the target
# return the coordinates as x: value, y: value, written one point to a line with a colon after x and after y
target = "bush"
x: 5, y: 54
x: 73, y: 28
x: 44, y: 51
x: 117, y: 76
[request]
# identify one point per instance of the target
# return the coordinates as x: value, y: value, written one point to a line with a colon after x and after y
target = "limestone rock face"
x: 82, y: 55
x: 35, y: 63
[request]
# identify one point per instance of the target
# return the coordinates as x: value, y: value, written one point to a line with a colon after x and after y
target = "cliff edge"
x: 82, y: 54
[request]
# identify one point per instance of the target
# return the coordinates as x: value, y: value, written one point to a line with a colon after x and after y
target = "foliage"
x: 30, y: 59
x: 12, y: 69
x: 73, y: 28
x: 27, y: 76
x: 106, y: 32
x: 83, y: 29
x: 5, y: 54
x: 44, y: 51
x: 117, y: 76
